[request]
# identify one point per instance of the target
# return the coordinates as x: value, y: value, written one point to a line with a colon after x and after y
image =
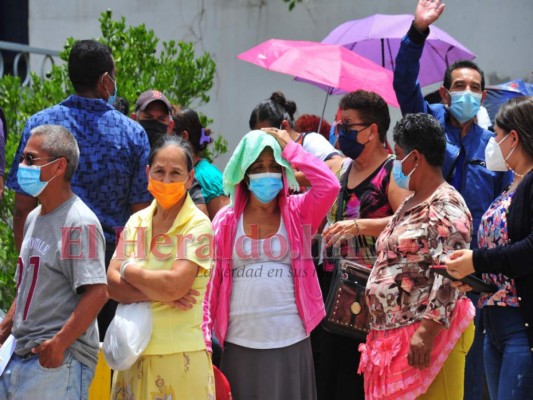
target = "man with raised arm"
x: 462, y: 93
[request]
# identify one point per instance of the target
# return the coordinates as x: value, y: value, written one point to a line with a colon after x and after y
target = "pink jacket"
x: 302, y: 215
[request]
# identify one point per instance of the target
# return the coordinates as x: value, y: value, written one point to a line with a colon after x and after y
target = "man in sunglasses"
x: 111, y: 177
x: 61, y: 279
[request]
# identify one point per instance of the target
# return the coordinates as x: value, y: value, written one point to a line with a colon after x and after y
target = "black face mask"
x: 154, y: 130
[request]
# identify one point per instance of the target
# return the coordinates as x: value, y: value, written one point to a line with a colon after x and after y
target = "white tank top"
x: 263, y: 312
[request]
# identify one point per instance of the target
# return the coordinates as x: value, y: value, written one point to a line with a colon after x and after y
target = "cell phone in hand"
x: 477, y: 285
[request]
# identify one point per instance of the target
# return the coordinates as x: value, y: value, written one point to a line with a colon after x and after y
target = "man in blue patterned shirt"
x: 111, y: 176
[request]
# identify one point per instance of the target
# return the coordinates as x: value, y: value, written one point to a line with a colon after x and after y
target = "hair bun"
x: 288, y: 105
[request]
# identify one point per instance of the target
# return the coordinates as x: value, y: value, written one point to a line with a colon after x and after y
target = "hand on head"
x: 281, y: 135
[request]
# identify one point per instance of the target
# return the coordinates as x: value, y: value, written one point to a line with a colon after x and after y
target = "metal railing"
x: 23, y: 54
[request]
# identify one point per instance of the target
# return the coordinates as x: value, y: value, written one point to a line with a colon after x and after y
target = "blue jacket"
x: 478, y: 186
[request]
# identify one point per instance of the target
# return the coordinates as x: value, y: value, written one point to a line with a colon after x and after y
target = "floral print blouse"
x: 493, y: 232
x: 402, y: 289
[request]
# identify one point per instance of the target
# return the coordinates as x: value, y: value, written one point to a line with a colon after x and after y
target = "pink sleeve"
x: 213, y: 286
x: 316, y: 202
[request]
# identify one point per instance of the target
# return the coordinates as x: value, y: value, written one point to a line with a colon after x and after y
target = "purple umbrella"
x: 378, y: 38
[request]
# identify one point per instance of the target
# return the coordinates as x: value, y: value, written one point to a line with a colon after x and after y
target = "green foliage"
x: 292, y: 3
x: 184, y: 78
x: 141, y: 64
x: 220, y: 146
x: 19, y: 103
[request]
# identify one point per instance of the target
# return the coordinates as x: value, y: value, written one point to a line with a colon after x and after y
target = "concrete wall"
x: 498, y: 31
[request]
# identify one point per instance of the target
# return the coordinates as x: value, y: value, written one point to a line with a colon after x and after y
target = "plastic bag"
x: 128, y: 335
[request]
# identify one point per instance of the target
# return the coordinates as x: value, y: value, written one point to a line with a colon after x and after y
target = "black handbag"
x: 346, y: 309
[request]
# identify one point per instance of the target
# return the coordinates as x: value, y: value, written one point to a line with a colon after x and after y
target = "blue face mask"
x: 265, y: 186
x: 400, y: 178
x: 112, y: 97
x: 465, y: 105
x: 29, y: 179
x: 348, y: 141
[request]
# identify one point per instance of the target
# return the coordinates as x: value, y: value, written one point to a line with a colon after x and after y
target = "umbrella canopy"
x: 333, y: 68
x: 378, y: 38
x: 499, y: 94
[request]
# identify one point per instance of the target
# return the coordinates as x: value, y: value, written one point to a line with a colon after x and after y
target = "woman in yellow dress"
x: 163, y: 256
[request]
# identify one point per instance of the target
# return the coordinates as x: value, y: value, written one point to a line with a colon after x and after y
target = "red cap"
x: 150, y: 96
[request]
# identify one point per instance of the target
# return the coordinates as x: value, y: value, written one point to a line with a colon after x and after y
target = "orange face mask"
x: 166, y: 194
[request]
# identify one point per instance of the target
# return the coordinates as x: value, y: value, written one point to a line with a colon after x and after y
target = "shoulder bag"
x: 346, y: 309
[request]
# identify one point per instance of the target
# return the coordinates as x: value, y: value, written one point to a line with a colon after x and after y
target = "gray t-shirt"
x: 61, y: 252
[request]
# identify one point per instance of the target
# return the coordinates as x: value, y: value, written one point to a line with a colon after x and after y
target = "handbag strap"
x: 342, y: 191
x: 338, y: 217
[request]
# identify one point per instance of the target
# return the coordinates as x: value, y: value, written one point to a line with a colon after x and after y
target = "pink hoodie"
x: 302, y: 215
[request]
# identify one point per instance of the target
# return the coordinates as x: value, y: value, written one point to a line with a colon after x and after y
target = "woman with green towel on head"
x: 263, y: 298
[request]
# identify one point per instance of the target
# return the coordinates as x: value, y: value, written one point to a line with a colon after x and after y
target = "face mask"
x: 465, y: 105
x: 166, y: 194
x: 29, y: 179
x: 154, y: 129
x: 400, y: 178
x: 494, y: 156
x: 265, y: 186
x: 349, y: 144
x: 112, y: 97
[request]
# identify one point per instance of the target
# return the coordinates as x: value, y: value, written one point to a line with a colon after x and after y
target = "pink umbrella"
x: 333, y: 68
x: 378, y: 38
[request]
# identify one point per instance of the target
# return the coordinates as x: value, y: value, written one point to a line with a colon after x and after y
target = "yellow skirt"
x: 182, y: 376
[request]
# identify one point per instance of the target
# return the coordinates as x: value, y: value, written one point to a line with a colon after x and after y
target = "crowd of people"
x: 236, y: 266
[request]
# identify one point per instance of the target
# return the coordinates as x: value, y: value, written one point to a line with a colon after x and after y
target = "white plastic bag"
x: 128, y: 335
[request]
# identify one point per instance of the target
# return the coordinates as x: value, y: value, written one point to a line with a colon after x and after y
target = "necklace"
x: 517, y: 174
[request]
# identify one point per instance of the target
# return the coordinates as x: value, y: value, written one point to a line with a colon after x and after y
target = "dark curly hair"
x: 371, y: 107
x: 424, y: 133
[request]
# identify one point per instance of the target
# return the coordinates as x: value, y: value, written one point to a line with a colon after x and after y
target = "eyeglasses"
x: 345, y: 128
x: 31, y: 159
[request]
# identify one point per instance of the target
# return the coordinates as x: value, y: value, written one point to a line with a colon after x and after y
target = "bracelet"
x: 123, y: 267
x: 356, y: 227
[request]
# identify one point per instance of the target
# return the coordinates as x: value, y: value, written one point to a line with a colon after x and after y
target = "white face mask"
x: 494, y: 156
